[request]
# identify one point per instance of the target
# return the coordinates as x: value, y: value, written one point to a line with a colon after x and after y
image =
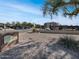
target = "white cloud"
x: 24, y: 8
x: 20, y: 12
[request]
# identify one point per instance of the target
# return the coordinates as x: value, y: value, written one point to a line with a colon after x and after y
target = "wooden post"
x: 1, y: 41
x: 17, y: 34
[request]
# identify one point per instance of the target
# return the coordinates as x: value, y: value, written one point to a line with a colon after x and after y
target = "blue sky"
x: 29, y: 11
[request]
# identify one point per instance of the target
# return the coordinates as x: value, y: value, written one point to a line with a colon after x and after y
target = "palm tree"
x: 68, y: 7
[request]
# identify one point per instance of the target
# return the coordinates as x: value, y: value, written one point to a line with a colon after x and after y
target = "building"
x: 56, y: 26
x: 51, y: 25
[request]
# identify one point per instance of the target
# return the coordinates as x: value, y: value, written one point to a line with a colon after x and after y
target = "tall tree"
x: 18, y: 24
x: 30, y: 24
x: 38, y: 26
x: 68, y: 7
x: 13, y: 23
x: 7, y: 24
x: 24, y: 24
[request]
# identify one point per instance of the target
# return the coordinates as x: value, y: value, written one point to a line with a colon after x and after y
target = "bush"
x: 33, y: 30
x: 69, y: 42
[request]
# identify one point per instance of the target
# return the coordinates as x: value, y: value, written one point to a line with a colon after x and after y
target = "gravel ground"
x: 39, y: 46
x: 42, y: 37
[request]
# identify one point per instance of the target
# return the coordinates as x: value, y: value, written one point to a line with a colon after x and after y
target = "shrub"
x: 69, y: 42
x: 33, y: 30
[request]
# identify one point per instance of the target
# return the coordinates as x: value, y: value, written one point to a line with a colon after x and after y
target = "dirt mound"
x: 39, y: 50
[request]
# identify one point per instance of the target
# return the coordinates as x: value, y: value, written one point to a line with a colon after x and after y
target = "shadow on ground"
x: 38, y: 50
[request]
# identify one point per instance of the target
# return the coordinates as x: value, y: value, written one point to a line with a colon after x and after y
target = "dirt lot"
x: 39, y: 46
x: 41, y: 37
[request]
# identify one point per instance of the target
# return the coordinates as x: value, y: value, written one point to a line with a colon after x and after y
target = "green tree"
x: 24, y: 24
x: 38, y: 26
x: 18, y: 24
x: 13, y: 23
x: 30, y: 24
x: 7, y: 24
x: 68, y: 7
